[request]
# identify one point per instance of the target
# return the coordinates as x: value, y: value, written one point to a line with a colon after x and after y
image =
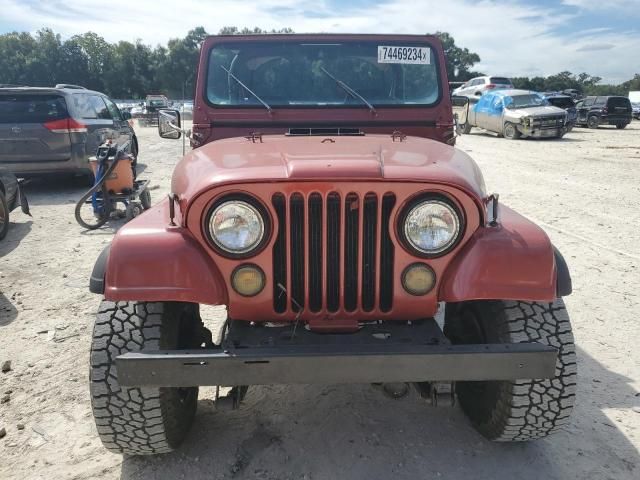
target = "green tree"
x: 459, y: 60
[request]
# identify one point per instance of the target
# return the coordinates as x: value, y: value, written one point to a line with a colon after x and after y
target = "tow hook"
x: 437, y: 394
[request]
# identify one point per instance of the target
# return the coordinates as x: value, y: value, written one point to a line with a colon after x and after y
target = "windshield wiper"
x: 349, y: 90
x: 266, y: 105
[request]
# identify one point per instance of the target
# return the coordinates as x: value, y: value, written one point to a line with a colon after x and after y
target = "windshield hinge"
x: 398, y: 136
x: 255, y: 137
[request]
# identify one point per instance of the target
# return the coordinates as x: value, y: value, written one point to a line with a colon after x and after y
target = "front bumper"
x: 335, y: 364
x: 542, y: 132
x: 379, y: 352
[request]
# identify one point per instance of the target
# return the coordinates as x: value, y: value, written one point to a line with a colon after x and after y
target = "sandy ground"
x: 584, y: 190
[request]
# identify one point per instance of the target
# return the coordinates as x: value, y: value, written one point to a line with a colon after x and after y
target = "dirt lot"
x: 584, y: 190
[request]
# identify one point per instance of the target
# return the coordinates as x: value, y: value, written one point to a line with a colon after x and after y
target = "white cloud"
x: 512, y: 38
x: 609, y: 5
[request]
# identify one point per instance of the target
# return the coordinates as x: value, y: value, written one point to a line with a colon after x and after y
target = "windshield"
x: 500, y: 81
x: 525, y: 101
x: 157, y: 103
x: 288, y: 74
x: 562, y: 102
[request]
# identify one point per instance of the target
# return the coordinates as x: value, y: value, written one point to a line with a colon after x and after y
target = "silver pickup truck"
x: 514, y: 114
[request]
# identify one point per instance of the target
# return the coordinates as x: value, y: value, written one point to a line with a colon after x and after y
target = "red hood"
x: 318, y: 158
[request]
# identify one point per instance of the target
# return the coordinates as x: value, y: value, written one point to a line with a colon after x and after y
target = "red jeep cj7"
x: 324, y: 205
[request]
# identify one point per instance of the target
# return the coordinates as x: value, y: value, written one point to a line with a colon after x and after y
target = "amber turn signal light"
x: 418, y: 279
x: 248, y: 280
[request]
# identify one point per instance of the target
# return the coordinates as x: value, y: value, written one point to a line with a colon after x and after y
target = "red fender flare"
x: 514, y: 260
x: 149, y: 260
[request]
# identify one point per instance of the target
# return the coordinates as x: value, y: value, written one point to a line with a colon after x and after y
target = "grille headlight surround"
x: 237, y: 226
x: 430, y: 226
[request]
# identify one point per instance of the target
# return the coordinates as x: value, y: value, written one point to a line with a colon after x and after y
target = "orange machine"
x: 120, y: 180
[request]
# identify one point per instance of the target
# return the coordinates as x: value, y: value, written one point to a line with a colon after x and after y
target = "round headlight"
x: 236, y: 227
x: 431, y: 226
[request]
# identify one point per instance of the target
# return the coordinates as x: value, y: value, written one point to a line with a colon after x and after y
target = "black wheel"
x: 510, y: 131
x: 140, y: 421
x: 145, y: 199
x: 593, y: 121
x: 620, y: 126
x: 133, y: 210
x: 4, y: 216
x: 84, y: 180
x: 516, y: 410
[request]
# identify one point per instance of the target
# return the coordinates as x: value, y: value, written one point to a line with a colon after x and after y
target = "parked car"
x: 514, y: 114
x: 567, y: 104
x: 636, y: 110
x: 604, y: 110
x: 573, y: 93
x: 56, y: 130
x: 10, y: 198
x: 479, y: 85
x: 148, y: 117
x: 332, y: 240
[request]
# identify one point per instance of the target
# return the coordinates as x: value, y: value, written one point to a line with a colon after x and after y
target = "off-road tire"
x: 510, y: 131
x: 593, y: 121
x: 620, y: 126
x: 4, y: 216
x: 140, y: 421
x: 517, y: 410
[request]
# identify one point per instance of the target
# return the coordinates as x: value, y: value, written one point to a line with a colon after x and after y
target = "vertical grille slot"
x: 280, y: 254
x: 333, y: 252
x: 315, y: 252
x: 369, y: 233
x: 351, y: 235
x: 296, y: 212
x: 386, y: 254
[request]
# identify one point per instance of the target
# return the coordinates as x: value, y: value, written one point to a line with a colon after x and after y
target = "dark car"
x: 56, y: 130
x: 10, y: 198
x: 568, y: 105
x: 604, y: 110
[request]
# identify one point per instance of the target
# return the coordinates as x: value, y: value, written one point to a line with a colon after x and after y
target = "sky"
x: 512, y: 37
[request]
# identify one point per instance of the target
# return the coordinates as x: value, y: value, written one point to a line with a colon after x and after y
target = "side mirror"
x: 169, y: 124
x: 126, y: 115
x: 460, y: 106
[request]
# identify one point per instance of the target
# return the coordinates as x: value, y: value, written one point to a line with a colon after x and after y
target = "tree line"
x: 132, y: 70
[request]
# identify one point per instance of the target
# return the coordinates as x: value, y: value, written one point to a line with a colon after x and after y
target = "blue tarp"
x: 492, y: 103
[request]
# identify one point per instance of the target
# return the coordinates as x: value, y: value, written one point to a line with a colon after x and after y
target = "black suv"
x: 596, y: 111
x: 56, y: 130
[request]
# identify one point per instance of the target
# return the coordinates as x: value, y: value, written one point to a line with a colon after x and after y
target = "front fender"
x: 513, y: 261
x: 151, y: 261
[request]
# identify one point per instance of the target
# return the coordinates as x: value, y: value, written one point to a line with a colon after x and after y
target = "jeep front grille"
x: 333, y: 253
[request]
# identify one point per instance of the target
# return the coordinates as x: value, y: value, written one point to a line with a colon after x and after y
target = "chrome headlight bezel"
x: 251, y: 204
x: 418, y: 202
